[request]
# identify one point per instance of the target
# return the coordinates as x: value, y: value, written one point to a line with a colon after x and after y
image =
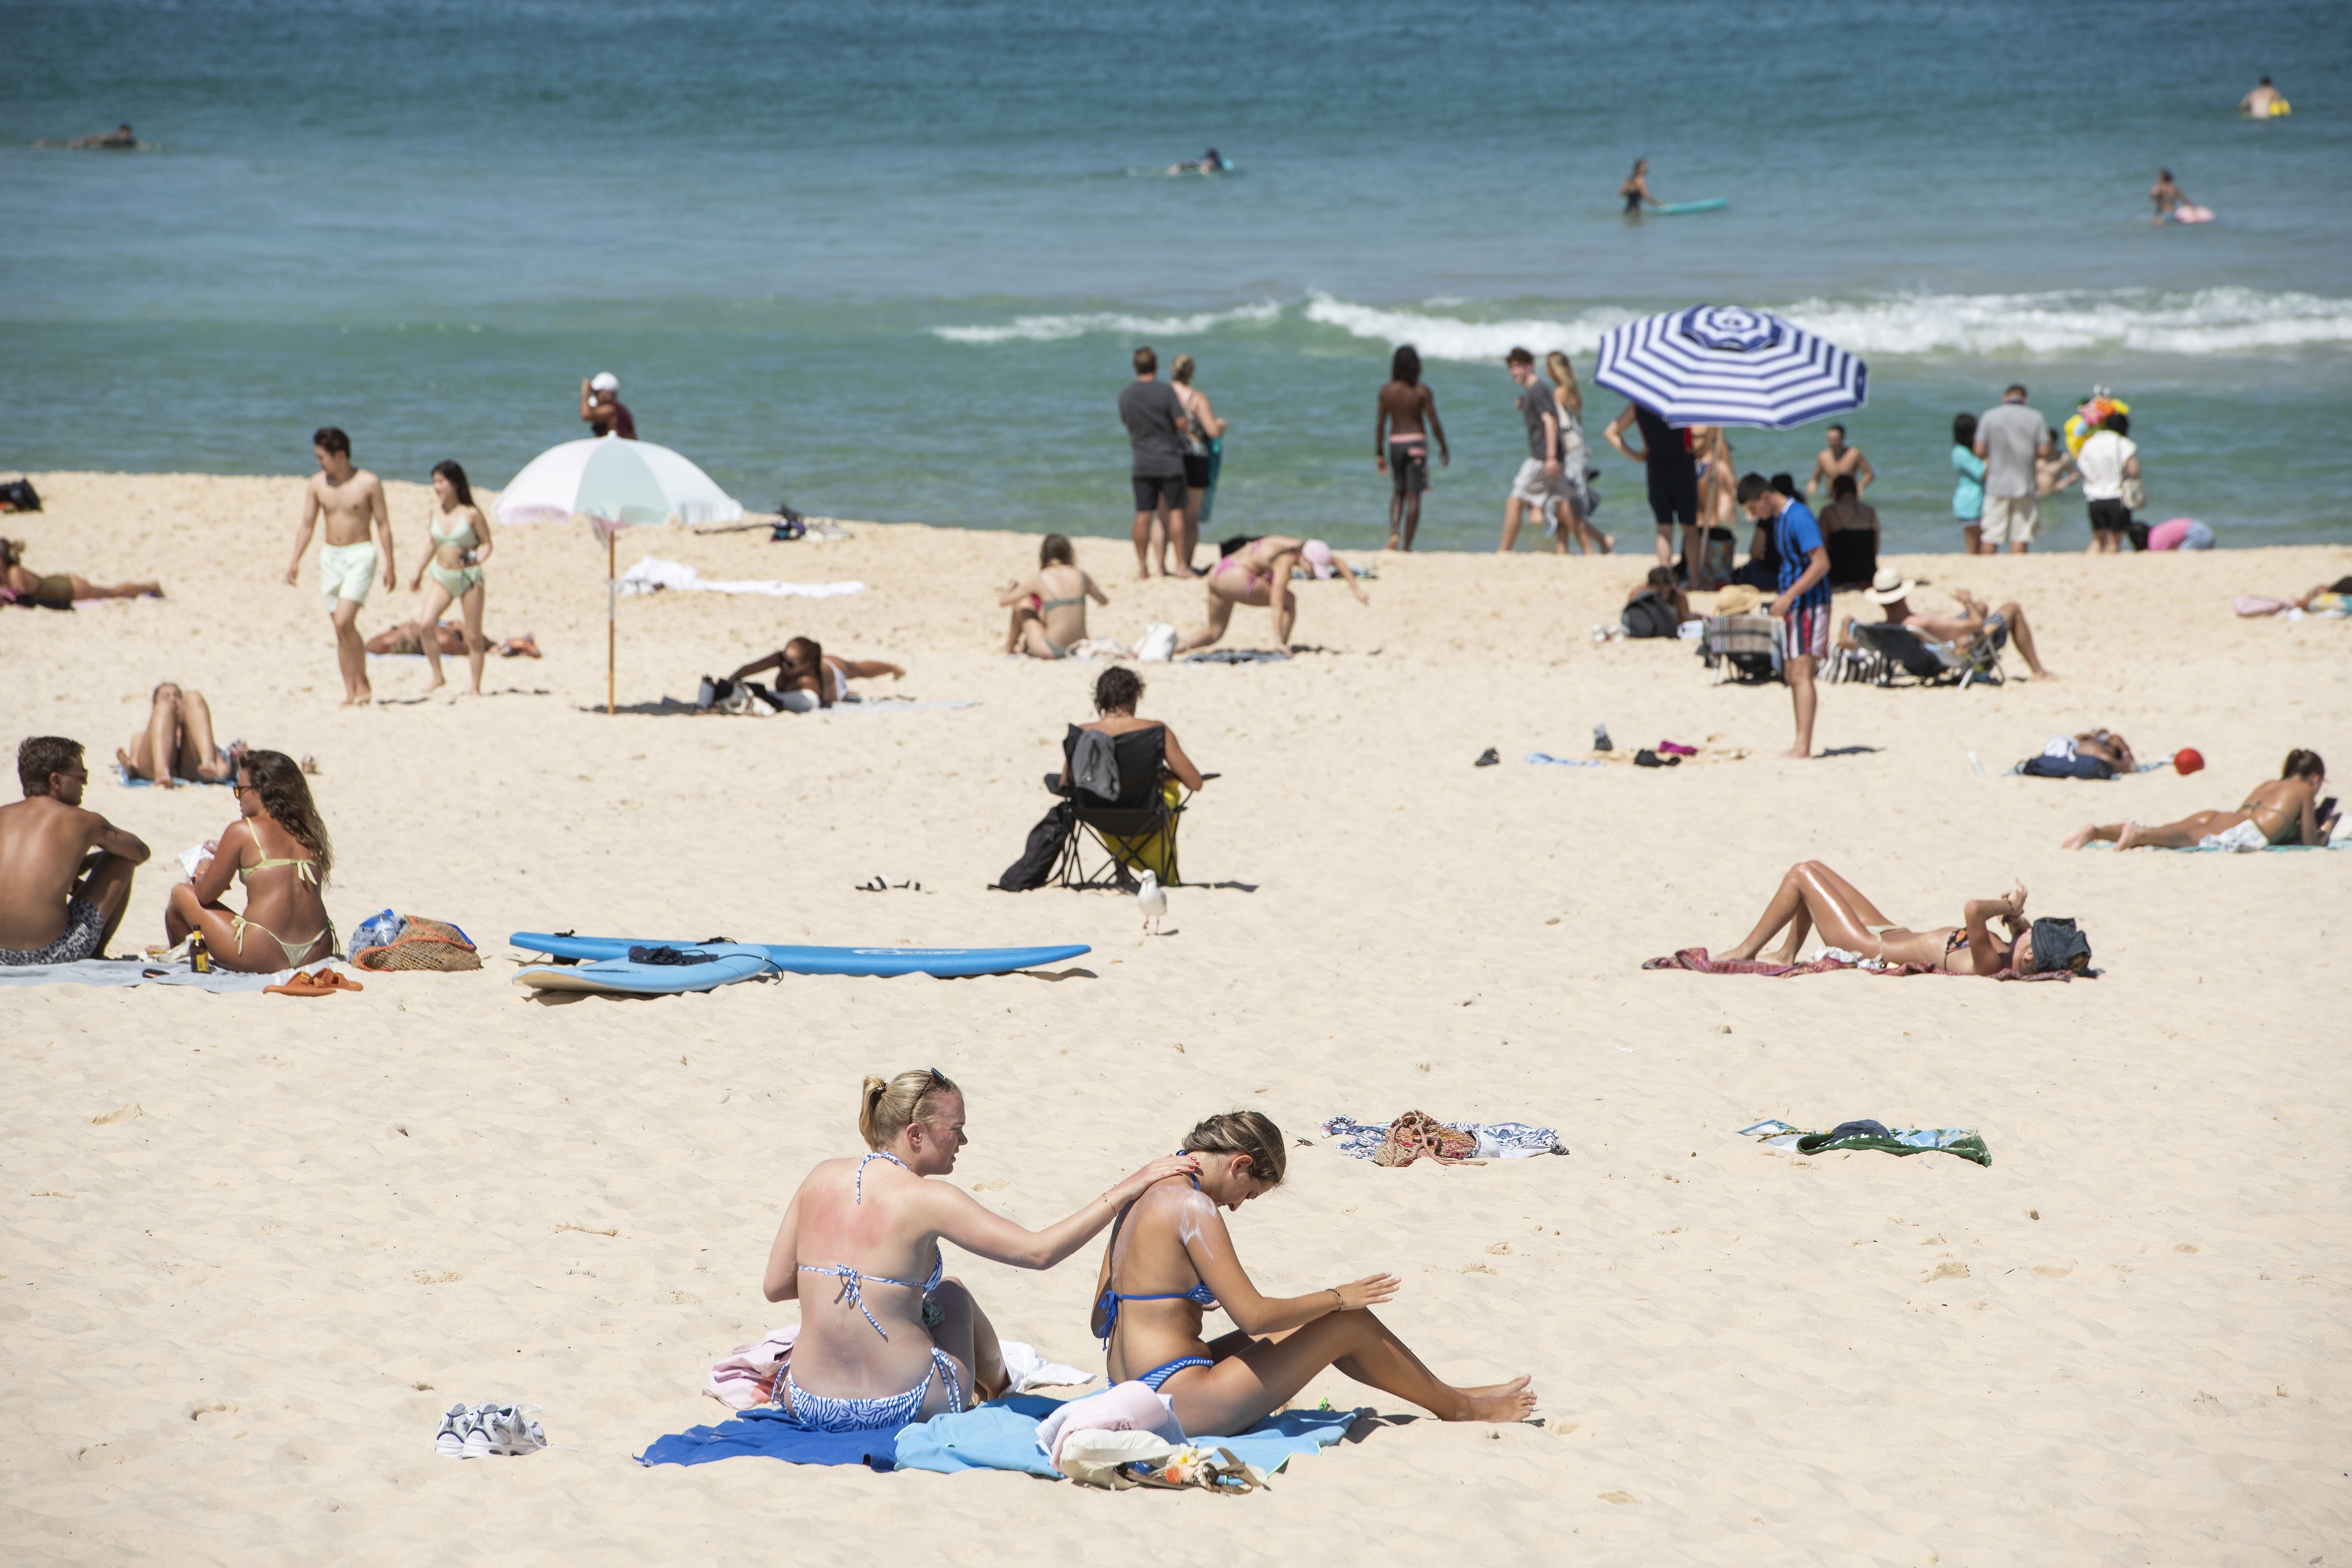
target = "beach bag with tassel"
x: 422, y: 944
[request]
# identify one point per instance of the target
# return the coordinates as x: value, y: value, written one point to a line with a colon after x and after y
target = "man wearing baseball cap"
x: 602, y: 408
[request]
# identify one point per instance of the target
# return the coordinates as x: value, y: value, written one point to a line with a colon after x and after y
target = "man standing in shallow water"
x: 1405, y: 405
x: 349, y: 562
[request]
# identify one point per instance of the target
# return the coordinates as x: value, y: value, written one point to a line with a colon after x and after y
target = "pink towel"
x: 748, y: 1377
x: 1122, y: 1408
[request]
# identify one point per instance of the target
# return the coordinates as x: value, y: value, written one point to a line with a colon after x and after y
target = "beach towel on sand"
x: 1960, y: 1141
x: 652, y: 574
x: 1696, y: 960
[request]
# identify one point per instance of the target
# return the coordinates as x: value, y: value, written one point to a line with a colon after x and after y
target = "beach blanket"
x: 1696, y: 960
x: 651, y: 575
x: 1236, y: 656
x: 1496, y: 1140
x: 1960, y: 1141
x: 2213, y: 845
x: 120, y: 972
x: 1546, y: 759
x: 1000, y: 1434
x: 123, y: 775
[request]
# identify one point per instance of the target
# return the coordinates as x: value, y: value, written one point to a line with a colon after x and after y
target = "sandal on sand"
x: 336, y: 979
x: 300, y: 985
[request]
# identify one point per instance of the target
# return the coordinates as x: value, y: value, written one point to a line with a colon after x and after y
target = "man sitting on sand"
x: 177, y: 743
x: 408, y: 638
x: 1891, y: 589
x: 59, y: 590
x: 350, y: 561
x: 65, y: 873
x: 2284, y: 810
x: 809, y: 678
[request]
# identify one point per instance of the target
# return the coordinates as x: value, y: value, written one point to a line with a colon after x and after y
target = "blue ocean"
x: 888, y: 260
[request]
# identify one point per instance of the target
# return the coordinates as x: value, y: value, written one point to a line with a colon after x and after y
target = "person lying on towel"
x: 1810, y: 895
x: 887, y: 1337
x: 1892, y: 590
x: 2090, y: 754
x: 1170, y: 1260
x: 2284, y: 810
x: 808, y: 677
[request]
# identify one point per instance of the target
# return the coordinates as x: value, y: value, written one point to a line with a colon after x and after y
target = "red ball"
x: 2188, y: 760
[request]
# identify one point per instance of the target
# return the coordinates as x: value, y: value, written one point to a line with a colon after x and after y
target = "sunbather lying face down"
x: 1812, y: 895
x: 2285, y: 810
x: 802, y: 665
x: 1170, y: 1260
x: 886, y: 1338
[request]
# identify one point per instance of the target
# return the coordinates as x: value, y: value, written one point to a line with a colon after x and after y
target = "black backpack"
x: 18, y: 495
x: 1649, y: 616
x: 1043, y: 852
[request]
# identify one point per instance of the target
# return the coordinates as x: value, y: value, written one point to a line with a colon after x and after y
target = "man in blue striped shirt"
x: 1802, y: 606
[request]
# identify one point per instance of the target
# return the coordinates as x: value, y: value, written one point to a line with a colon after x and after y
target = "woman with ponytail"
x: 886, y: 1338
x: 1171, y: 1260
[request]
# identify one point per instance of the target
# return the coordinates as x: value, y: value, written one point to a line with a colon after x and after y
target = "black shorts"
x: 1673, y: 494
x: 1196, y: 470
x: 1150, y: 488
x: 2110, y: 517
x: 1408, y: 466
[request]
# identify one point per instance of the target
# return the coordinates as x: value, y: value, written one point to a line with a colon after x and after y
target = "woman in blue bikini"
x: 886, y: 1338
x: 1170, y: 1260
x: 1049, y: 607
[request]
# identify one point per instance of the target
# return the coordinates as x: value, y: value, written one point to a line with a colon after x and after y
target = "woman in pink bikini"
x: 1257, y: 571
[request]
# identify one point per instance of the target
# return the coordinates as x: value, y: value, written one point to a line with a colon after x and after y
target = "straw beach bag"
x: 422, y: 944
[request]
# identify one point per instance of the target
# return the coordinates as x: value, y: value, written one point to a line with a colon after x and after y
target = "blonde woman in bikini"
x: 1049, y: 605
x: 1257, y: 571
x: 1171, y: 1260
x: 1813, y: 896
x: 277, y: 847
x: 2284, y: 810
x: 461, y: 542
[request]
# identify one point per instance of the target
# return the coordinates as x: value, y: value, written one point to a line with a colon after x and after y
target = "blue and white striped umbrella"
x: 1715, y: 365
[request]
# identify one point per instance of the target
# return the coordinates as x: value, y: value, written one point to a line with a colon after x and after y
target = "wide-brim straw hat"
x: 1889, y: 585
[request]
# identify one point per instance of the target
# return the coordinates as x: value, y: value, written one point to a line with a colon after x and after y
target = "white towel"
x: 652, y: 574
x: 1029, y: 1370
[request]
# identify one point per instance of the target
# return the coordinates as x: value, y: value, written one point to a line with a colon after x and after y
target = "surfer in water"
x: 2170, y: 199
x: 120, y: 138
x: 1208, y: 163
x: 1636, y: 188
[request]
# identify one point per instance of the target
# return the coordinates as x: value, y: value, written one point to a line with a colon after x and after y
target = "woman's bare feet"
x: 438, y: 682
x: 2129, y: 837
x: 2080, y: 837
x: 1512, y: 1401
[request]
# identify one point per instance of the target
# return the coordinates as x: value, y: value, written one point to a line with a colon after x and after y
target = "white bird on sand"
x: 1153, y: 899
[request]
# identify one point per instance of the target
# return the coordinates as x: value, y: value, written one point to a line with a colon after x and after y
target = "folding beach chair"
x: 1135, y: 832
x: 1744, y: 648
x: 1899, y: 651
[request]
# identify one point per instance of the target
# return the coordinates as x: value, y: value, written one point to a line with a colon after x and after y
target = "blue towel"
x: 1001, y: 1434
x: 766, y: 1430
x: 1546, y: 758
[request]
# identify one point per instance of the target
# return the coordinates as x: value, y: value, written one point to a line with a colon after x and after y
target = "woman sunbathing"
x: 450, y: 638
x: 1170, y: 1259
x: 2284, y: 810
x: 800, y: 687
x: 277, y: 847
x: 1812, y: 895
x: 59, y: 590
x: 1257, y: 571
x: 888, y: 1339
x: 177, y: 743
x: 1049, y: 605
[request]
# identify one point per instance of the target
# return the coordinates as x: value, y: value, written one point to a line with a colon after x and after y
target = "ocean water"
x: 889, y: 260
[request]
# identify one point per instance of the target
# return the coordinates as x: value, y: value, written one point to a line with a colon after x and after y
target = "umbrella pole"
x: 612, y: 602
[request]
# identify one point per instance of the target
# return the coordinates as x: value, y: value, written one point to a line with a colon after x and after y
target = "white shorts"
x: 2011, y: 519
x: 1536, y: 487
x: 346, y: 572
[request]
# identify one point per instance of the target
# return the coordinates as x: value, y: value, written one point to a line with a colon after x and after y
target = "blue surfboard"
x: 619, y: 977
x: 944, y: 962
x: 1677, y: 209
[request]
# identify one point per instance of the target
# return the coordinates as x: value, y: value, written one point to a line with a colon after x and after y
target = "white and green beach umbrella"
x: 617, y: 482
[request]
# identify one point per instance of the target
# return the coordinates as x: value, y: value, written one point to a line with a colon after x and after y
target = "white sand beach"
x: 254, y: 1246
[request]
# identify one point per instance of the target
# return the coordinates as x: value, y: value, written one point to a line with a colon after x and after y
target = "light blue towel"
x: 1546, y: 758
x: 1001, y: 1434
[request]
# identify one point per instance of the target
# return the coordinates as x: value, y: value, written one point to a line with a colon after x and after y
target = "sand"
x: 235, y: 1310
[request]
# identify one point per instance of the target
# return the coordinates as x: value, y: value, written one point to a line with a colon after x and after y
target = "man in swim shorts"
x: 65, y: 873
x: 1674, y: 476
x: 2009, y: 439
x: 1802, y: 606
x: 1155, y: 430
x: 1542, y: 479
x: 350, y: 561
x: 1403, y: 422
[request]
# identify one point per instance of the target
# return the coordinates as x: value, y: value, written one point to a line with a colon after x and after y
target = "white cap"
x: 604, y: 381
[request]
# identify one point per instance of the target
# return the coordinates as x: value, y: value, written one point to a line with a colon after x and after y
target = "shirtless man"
x: 1892, y: 590
x: 120, y: 137
x: 2284, y: 810
x: 1838, y: 458
x: 350, y: 561
x: 2169, y: 197
x: 1401, y: 446
x: 2259, y: 104
x: 65, y: 873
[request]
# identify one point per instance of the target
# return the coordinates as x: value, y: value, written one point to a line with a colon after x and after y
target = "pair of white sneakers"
x: 477, y: 1432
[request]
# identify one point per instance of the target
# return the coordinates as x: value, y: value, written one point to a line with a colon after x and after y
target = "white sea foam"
x: 1451, y: 338
x: 1050, y: 328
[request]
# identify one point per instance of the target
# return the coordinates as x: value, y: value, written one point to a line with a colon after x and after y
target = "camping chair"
x: 1900, y: 651
x: 1136, y: 832
x: 1744, y: 648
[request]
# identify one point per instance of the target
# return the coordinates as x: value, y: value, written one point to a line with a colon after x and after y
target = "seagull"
x: 1153, y: 899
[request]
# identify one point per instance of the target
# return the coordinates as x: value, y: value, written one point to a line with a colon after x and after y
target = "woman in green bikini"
x: 461, y: 542
x: 277, y: 847
x: 1049, y: 607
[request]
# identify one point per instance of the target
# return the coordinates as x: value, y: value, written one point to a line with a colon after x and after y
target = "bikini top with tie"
x: 850, y: 1278
x: 1200, y: 1295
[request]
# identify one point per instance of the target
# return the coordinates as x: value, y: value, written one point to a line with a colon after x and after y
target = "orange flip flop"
x: 300, y: 985
x: 338, y: 979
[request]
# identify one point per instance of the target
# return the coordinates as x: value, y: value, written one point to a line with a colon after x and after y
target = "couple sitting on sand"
x: 65, y: 872
x: 887, y: 1337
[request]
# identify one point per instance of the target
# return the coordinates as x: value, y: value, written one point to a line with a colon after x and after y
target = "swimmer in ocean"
x: 2169, y: 197
x: 1208, y: 163
x: 1636, y: 188
x: 118, y: 139
x: 2262, y: 102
